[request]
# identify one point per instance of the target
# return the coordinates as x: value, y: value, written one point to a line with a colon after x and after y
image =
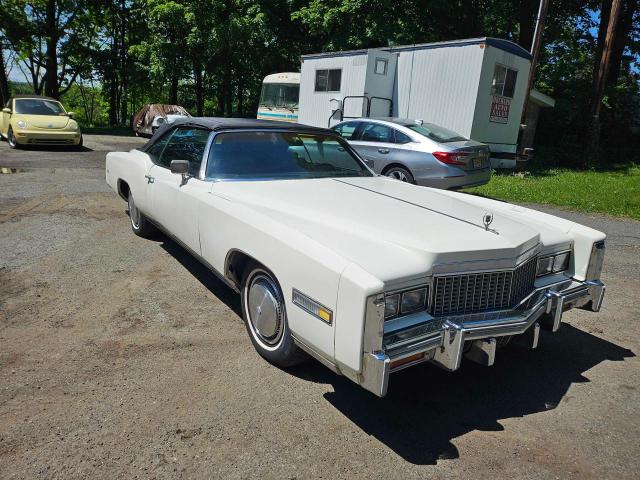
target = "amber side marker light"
x: 405, y: 360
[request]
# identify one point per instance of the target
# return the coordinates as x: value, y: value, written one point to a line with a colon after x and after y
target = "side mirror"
x: 71, y: 114
x: 6, y: 110
x: 179, y: 166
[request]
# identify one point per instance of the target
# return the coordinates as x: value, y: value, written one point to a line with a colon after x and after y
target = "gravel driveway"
x: 125, y: 358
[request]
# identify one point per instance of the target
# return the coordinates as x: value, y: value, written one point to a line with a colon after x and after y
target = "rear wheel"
x: 400, y: 173
x: 265, y: 316
x: 12, y: 139
x: 140, y: 225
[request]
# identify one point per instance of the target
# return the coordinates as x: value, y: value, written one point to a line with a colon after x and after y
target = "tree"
x: 52, y: 39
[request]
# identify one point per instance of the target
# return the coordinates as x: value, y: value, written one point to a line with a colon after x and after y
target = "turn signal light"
x: 405, y: 360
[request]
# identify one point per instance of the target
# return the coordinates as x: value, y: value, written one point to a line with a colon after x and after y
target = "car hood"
x: 389, y: 228
x: 55, y: 122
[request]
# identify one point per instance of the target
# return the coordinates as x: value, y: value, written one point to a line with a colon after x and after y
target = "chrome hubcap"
x: 398, y: 175
x: 264, y: 306
x: 134, y: 213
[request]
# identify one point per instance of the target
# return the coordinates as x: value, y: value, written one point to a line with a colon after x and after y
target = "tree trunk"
x: 52, y: 88
x: 111, y: 74
x: 228, y: 94
x: 605, y: 12
x: 173, y: 93
x: 124, y: 80
x: 197, y: 75
x: 240, y: 96
x: 4, y: 83
x: 527, y: 19
x: 621, y: 40
x: 599, y: 84
x: 470, y: 18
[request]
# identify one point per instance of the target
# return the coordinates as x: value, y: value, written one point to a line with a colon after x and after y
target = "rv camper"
x: 279, y: 97
x: 475, y: 87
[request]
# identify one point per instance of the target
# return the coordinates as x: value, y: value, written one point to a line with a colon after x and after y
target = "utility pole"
x: 600, y: 83
x: 535, y: 52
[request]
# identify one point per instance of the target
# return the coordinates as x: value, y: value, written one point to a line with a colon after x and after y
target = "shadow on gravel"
x: 426, y: 407
x: 205, y: 276
x: 55, y: 148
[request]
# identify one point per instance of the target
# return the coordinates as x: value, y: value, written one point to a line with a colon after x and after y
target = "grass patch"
x: 614, y: 192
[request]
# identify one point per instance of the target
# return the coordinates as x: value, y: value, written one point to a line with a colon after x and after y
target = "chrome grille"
x: 484, y: 291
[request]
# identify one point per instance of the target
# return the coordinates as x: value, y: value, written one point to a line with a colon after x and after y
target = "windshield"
x: 281, y: 155
x: 279, y: 95
x: 36, y: 106
x: 437, y: 133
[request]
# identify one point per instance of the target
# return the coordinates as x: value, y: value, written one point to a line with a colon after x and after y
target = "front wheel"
x: 265, y: 316
x: 140, y: 225
x: 13, y: 143
x: 400, y: 173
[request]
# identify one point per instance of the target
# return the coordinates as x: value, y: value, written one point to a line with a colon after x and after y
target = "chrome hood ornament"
x: 487, y: 219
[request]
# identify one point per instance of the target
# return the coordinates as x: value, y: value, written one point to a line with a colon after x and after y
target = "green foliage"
x: 211, y: 55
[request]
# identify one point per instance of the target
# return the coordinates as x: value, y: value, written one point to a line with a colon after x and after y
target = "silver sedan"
x: 417, y: 152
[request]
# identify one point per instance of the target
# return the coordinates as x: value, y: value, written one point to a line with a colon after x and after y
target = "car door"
x: 375, y: 142
x: 173, y: 199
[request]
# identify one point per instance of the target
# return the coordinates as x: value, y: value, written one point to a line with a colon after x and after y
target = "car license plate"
x: 477, y: 163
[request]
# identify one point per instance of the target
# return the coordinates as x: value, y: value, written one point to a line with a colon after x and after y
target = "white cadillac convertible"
x: 366, y: 274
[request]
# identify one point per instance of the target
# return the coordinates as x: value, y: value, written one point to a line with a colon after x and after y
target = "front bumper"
x: 448, y: 339
x: 44, y: 137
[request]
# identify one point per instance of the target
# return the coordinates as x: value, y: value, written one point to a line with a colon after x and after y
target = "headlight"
x: 21, y: 124
x: 405, y: 302
x: 73, y: 126
x: 553, y: 264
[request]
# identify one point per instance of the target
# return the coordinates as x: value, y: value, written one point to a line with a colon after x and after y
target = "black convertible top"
x: 219, y: 123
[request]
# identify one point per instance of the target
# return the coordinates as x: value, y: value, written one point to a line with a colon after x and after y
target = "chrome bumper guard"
x: 445, y: 340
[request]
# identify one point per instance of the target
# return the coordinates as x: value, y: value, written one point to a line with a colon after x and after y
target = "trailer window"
x: 381, y: 66
x: 328, y: 80
x: 504, y: 81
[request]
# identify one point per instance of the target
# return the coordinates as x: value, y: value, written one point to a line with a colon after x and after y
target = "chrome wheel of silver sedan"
x: 265, y: 309
x: 400, y: 173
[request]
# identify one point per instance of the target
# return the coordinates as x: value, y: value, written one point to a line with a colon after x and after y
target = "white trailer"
x: 475, y: 87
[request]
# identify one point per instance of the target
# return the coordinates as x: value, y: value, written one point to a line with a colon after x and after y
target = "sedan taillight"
x: 452, y: 158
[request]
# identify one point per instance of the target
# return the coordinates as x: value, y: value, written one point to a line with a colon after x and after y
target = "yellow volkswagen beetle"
x: 36, y: 120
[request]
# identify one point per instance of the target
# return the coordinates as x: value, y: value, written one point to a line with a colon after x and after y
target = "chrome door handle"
x: 149, y: 178
x: 383, y: 150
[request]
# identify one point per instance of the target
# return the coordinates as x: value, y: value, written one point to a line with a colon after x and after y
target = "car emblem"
x: 487, y: 219
x: 50, y: 125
